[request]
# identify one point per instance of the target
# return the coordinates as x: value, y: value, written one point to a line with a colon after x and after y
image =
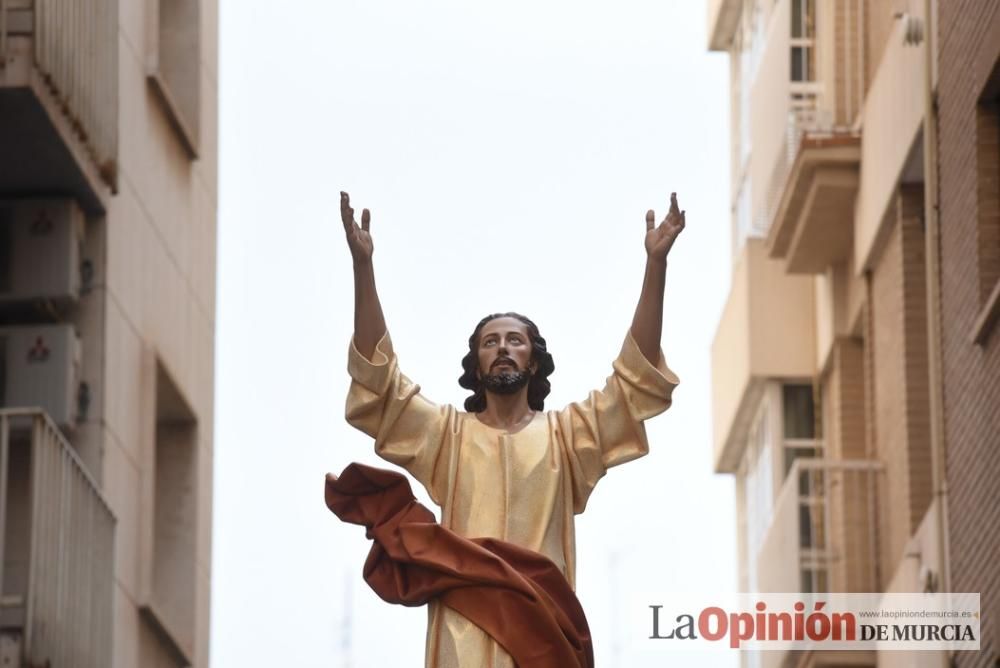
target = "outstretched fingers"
x: 650, y: 220
x: 674, y: 209
x: 366, y: 219
x: 346, y: 212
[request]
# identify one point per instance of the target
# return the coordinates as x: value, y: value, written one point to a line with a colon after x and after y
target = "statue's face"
x: 504, y: 348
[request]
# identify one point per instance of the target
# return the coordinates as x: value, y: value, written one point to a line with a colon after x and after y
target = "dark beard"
x: 506, y: 382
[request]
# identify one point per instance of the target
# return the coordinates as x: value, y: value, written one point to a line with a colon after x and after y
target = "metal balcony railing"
x: 74, y: 46
x: 823, y: 532
x: 803, y: 118
x: 56, y: 547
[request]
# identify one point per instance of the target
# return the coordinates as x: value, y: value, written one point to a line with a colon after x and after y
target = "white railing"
x: 803, y: 118
x: 75, y: 46
x: 823, y: 535
x: 47, y: 496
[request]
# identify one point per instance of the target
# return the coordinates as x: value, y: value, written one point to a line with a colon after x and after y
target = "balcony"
x: 59, y: 99
x: 795, y: 134
x: 767, y: 331
x: 822, y: 533
x: 816, y: 185
x: 57, y: 548
x: 822, y: 539
x: 723, y: 17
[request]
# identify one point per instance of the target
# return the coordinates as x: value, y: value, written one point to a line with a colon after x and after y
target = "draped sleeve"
x: 606, y: 429
x: 409, y: 430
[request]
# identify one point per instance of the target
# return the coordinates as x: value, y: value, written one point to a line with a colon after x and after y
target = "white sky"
x: 508, y: 153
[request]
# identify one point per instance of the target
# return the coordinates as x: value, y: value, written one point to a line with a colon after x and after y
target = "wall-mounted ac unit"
x: 40, y: 366
x: 40, y: 243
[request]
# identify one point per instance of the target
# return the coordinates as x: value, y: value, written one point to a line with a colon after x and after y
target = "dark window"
x: 797, y: 405
x: 6, y: 219
x: 176, y: 75
x: 813, y: 580
x: 803, y: 31
x: 791, y: 454
x: 987, y: 174
x: 802, y: 19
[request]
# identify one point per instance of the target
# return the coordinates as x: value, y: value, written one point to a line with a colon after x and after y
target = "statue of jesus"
x: 504, y: 467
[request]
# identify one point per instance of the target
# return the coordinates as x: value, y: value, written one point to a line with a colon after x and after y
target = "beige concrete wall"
x: 778, y: 564
x: 160, y: 278
x: 722, y: 17
x: 825, y: 318
x: 769, y: 104
x: 782, y: 322
x: 832, y: 310
x: 857, y: 296
x: 840, y: 297
x: 767, y: 330
x: 731, y: 352
x: 892, y: 116
x: 881, y: 23
x: 919, y: 556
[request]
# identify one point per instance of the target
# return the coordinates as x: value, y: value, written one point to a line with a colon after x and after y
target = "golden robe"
x: 524, y: 487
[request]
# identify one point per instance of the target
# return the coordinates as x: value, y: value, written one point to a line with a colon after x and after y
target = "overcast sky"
x: 508, y: 153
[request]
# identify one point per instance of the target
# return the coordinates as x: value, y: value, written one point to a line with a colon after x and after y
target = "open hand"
x: 358, y: 238
x: 660, y: 238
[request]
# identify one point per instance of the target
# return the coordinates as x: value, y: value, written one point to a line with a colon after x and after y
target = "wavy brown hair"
x: 538, y: 387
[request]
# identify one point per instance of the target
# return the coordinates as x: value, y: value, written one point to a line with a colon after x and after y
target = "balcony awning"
x: 814, y: 223
x: 41, y: 156
x: 723, y: 17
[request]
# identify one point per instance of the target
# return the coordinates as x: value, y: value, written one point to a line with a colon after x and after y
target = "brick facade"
x: 899, y: 402
x: 843, y: 401
x: 874, y: 385
x: 969, y: 46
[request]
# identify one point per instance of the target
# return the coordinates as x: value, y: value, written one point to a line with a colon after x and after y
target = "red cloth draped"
x: 516, y: 595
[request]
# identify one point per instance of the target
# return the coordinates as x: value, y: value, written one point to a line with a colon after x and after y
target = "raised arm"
x: 369, y: 322
x: 647, y: 324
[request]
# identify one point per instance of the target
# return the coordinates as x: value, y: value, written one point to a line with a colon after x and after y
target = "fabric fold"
x: 518, y: 596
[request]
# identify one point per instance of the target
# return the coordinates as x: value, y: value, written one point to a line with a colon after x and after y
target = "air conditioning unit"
x: 40, y: 366
x: 40, y: 242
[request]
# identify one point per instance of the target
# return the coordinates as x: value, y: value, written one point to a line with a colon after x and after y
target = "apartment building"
x: 968, y: 102
x: 108, y: 190
x: 855, y: 382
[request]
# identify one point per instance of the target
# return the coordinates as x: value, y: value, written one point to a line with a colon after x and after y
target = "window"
x: 987, y: 154
x: 758, y: 489
x: 175, y: 65
x: 798, y: 417
x: 170, y: 571
x: 803, y: 34
x: 814, y: 580
x: 799, y: 420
